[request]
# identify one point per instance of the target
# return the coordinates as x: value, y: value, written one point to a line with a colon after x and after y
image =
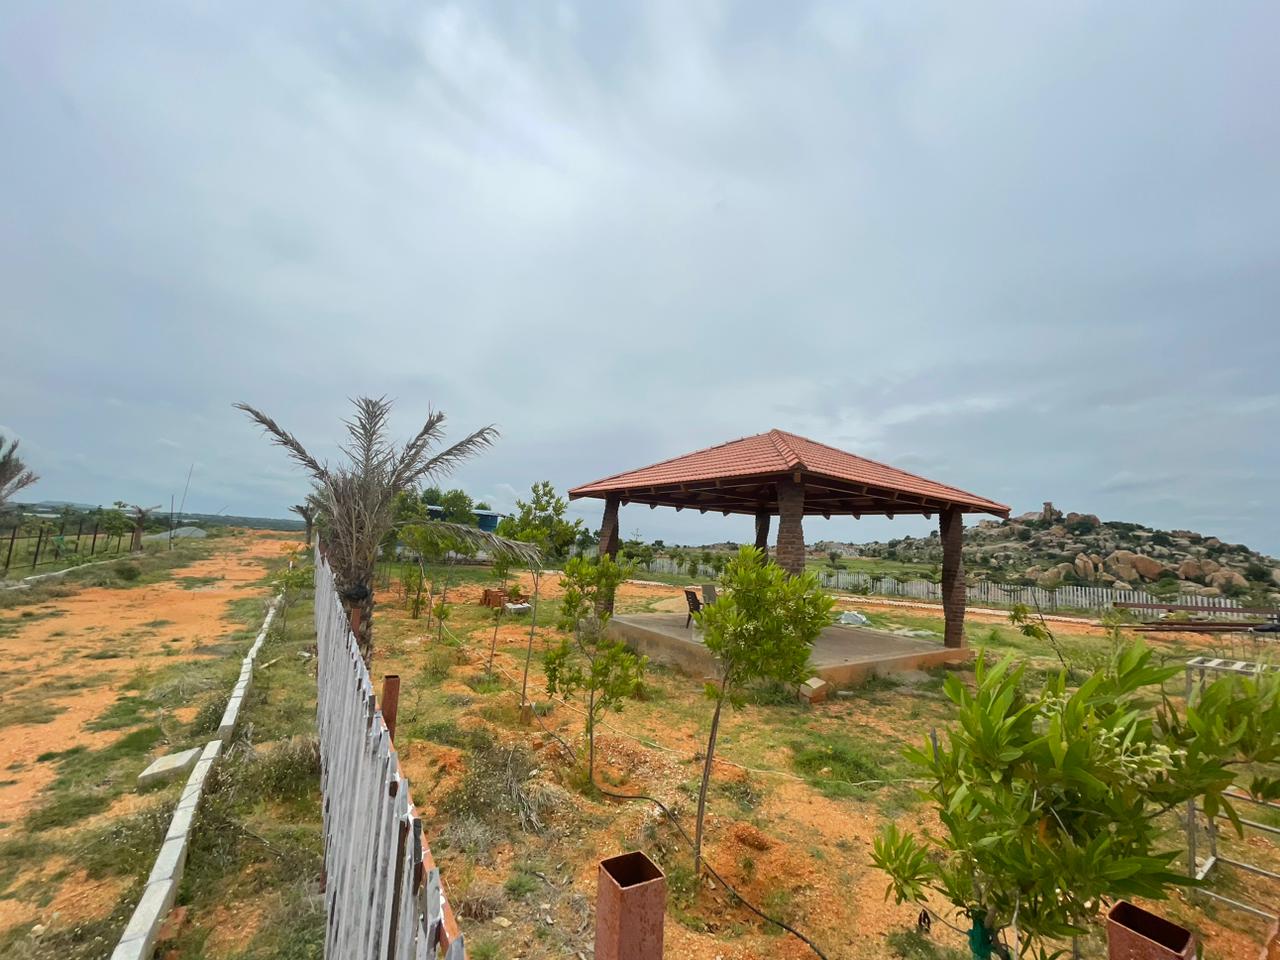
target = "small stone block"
x: 814, y: 690
x: 169, y: 767
x: 180, y: 825
x: 156, y: 900
x: 132, y: 950
x: 518, y: 607
x: 230, y: 715
x: 172, y: 858
x: 200, y: 773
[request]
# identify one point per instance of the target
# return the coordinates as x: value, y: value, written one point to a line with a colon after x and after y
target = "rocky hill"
x: 1049, y: 548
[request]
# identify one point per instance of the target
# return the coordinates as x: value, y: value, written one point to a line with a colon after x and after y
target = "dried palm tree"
x: 307, y: 511
x: 357, y: 497
x: 14, y: 475
x: 140, y: 515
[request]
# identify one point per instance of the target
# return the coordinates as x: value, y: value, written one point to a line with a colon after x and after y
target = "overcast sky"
x: 1029, y: 250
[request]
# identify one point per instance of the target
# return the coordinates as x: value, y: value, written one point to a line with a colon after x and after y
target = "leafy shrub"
x: 127, y: 571
x: 286, y: 770
x: 480, y: 901
x: 497, y: 791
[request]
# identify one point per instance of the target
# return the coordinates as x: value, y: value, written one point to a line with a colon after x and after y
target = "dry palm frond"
x: 441, y: 535
x: 14, y: 475
x: 285, y: 439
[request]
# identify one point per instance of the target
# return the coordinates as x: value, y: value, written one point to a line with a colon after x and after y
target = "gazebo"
x: 784, y: 475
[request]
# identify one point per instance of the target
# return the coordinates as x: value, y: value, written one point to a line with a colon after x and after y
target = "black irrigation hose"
x: 687, y: 839
x: 724, y: 883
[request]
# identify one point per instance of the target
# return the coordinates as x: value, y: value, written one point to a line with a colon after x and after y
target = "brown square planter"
x: 631, y: 904
x: 1137, y: 934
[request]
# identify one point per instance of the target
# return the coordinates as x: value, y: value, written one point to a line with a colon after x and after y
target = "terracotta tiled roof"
x: 779, y: 453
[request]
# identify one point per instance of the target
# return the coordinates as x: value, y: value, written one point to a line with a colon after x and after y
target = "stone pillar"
x: 951, y: 529
x: 790, y: 548
x: 762, y: 532
x: 609, y: 527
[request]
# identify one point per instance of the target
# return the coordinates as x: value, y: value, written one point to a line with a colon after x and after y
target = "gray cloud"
x: 1026, y: 250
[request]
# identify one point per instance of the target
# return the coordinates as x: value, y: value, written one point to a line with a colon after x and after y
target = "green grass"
x: 522, y: 882
x: 913, y: 945
x: 271, y: 802
x: 129, y: 711
x: 195, y: 583
x: 833, y: 764
x: 62, y: 810
x: 259, y: 835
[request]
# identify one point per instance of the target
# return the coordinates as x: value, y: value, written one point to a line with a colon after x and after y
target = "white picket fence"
x: 383, y: 896
x: 985, y: 592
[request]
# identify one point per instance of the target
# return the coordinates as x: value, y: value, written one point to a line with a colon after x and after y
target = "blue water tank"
x: 487, y: 520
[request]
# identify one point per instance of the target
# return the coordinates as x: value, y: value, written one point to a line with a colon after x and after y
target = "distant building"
x: 486, y: 520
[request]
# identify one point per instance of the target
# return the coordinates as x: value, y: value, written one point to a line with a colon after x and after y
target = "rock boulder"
x: 1149, y: 568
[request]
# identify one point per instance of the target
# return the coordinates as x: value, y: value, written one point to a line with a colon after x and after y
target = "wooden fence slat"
x: 373, y: 846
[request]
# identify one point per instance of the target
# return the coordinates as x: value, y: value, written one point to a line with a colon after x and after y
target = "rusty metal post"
x: 631, y: 904
x: 39, y: 538
x: 1272, y: 950
x: 390, y: 702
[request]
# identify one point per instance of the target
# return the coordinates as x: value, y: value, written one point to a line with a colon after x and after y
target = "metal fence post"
x: 12, y: 537
x: 36, y: 556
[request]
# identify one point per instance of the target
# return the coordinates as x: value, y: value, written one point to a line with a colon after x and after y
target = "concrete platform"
x: 842, y: 654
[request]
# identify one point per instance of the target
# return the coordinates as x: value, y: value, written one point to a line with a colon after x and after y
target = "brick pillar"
x: 609, y: 527
x: 790, y: 549
x: 608, y: 543
x: 951, y: 529
x: 762, y: 532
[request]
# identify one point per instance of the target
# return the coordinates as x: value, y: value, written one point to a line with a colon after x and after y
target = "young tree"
x: 359, y: 495
x: 541, y: 521
x: 761, y: 628
x: 457, y: 508
x: 14, y: 474
x: 113, y: 521
x: 1050, y: 799
x: 606, y: 669
x: 502, y: 570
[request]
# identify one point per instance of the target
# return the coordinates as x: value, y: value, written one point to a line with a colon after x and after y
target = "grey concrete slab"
x: 841, y: 654
x: 180, y: 825
x: 169, y: 767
